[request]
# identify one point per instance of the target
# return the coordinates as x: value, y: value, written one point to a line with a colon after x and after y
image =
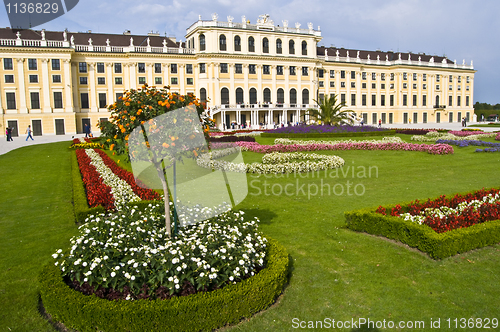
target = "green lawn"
x: 337, y: 273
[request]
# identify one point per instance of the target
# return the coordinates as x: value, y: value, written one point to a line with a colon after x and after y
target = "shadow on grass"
x: 265, y: 216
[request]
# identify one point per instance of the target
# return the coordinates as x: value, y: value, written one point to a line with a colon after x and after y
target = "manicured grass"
x: 337, y: 273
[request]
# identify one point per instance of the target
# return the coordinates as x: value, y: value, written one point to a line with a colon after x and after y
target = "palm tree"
x: 331, y: 113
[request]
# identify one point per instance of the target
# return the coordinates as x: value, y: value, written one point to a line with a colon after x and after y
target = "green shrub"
x: 201, y: 311
x: 422, y: 237
x: 321, y: 135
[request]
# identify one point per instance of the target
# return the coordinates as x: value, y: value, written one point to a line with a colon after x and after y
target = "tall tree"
x: 329, y: 112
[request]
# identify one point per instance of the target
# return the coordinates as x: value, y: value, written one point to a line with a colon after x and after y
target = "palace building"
x: 252, y: 75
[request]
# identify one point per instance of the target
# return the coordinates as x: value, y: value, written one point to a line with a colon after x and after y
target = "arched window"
x: 279, y: 46
x: 265, y: 45
x: 239, y: 96
x: 437, y: 102
x: 222, y: 43
x: 203, y: 95
x: 293, y: 96
x: 251, y: 44
x: 253, y: 96
x: 280, y: 96
x: 202, y: 42
x: 237, y: 43
x: 305, y: 97
x: 291, y: 47
x: 267, y: 95
x: 304, y: 48
x: 224, y: 96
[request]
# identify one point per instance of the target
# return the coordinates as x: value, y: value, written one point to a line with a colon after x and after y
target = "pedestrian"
x: 9, y: 134
x: 86, y: 129
x: 28, y: 131
x: 379, y: 123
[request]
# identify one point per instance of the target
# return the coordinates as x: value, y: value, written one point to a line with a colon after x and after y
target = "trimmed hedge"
x: 422, y: 237
x: 201, y: 311
x: 321, y: 135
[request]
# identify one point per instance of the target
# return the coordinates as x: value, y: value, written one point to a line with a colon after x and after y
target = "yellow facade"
x: 252, y: 75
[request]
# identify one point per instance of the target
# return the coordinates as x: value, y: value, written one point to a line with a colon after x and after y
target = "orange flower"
x: 127, y: 104
x: 173, y: 144
x: 165, y: 145
x: 111, y: 147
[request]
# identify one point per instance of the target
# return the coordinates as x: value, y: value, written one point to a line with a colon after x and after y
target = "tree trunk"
x: 161, y: 175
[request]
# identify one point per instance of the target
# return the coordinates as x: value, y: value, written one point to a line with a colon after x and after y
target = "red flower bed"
x: 98, y: 193
x: 143, y: 193
x: 468, y: 217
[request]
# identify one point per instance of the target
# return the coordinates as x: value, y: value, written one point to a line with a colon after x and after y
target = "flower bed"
x: 408, y: 131
x: 233, y: 138
x: 433, y: 136
x: 492, y: 147
x: 302, y: 129
x: 445, y: 214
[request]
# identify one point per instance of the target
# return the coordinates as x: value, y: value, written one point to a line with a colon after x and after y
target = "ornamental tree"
x: 161, y: 133
x: 330, y: 112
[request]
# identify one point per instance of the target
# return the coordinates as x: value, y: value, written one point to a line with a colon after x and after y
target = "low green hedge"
x: 321, y: 135
x: 201, y: 311
x: 423, y: 237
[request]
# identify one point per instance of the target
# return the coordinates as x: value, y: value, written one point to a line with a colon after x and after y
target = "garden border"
x: 212, y: 309
x: 423, y: 237
x: 319, y: 135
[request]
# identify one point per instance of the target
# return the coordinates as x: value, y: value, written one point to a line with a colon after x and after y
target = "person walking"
x: 86, y: 130
x: 28, y: 131
x: 9, y: 134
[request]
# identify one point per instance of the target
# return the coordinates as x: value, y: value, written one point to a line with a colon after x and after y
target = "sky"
x: 459, y: 29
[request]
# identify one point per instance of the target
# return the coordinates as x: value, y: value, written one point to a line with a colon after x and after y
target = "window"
x: 280, y: 96
x: 320, y: 73
x: 353, y: 75
x: 223, y: 68
x: 392, y: 76
x: 353, y: 99
x: 342, y: 84
x: 414, y: 76
x: 304, y: 48
x: 382, y: 100
x: 82, y: 67
x: 391, y: 101
x: 118, y: 80
x: 35, y: 100
x: 353, y: 84
x: 101, y: 80
x: 238, y: 68
x: 459, y: 87
x: 118, y: 96
x: 424, y: 117
x: 467, y: 88
x: 424, y: 100
x: 157, y: 68
x: 374, y: 85
x: 142, y: 80
x: 279, y: 46
x: 414, y: 100
x: 118, y: 68
x: 332, y: 73
x: 405, y: 85
x: 332, y: 84
x: 450, y: 101
x: 7, y: 64
x: 363, y: 76
x: 11, y: 100
x: 251, y: 44
x: 239, y: 96
x: 9, y: 78
x: 363, y: 100
x: 222, y: 43
x: 459, y: 101
x: 253, y: 96
x: 437, y: 87
x: 56, y: 78
x: 342, y: 74
x: 237, y: 43
x: 374, y: 76
x: 363, y: 85
x: 374, y: 118
x: 203, y: 69
x: 279, y: 70
x: 342, y: 98
x: 202, y: 42
x: 451, y: 79
x: 374, y: 100
x: 265, y: 45
x: 293, y: 96
x: 391, y: 86
x: 56, y: 64
x: 173, y: 68
x: 100, y: 67
x: 405, y: 100
x: 32, y: 65
x: 203, y: 95
x: 467, y: 100
x: 438, y: 78
x: 424, y: 86
x: 173, y: 80
x: 305, y: 71
x: 58, y: 101
x: 405, y: 76
x: 33, y: 78
x: 224, y: 96
x: 414, y: 85
x: 83, y: 80
x: 424, y: 77
x: 291, y: 47
x: 382, y: 76
x: 189, y: 81
x: 141, y: 67
x: 305, y: 97
x: 102, y: 100
x: 158, y: 81
x: 292, y: 70
x: 450, y: 87
x: 266, y: 69
x: 382, y: 86
x: 437, y: 102
x: 84, y: 100
x: 189, y: 69
x: 467, y: 79
x: 251, y: 69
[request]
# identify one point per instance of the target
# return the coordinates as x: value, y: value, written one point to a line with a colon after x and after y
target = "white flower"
x: 113, y: 274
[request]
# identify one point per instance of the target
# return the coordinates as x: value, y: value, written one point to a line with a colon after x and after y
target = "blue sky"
x: 459, y: 29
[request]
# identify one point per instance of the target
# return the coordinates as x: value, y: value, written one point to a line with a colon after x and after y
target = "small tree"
x: 329, y: 112
x: 138, y: 109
